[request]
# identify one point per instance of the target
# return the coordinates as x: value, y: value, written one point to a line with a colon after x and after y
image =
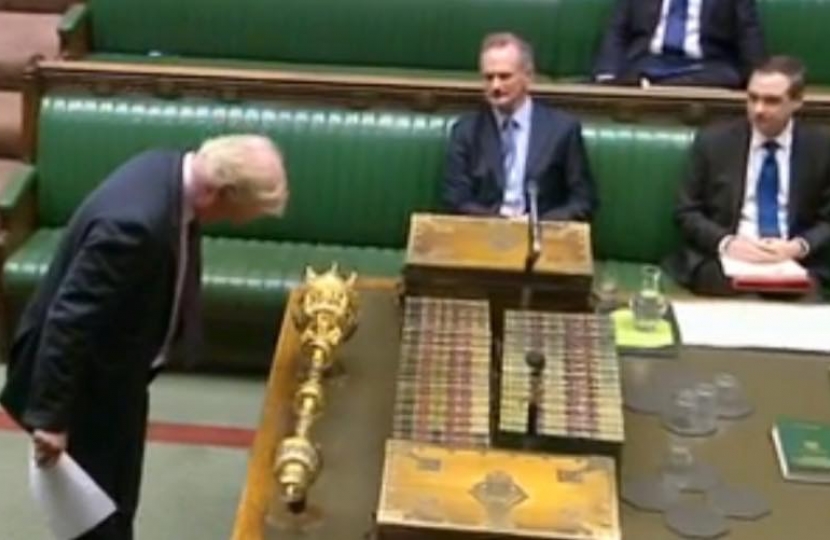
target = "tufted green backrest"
x: 798, y: 28
x: 638, y: 169
x: 428, y: 34
x: 425, y: 34
x: 355, y: 176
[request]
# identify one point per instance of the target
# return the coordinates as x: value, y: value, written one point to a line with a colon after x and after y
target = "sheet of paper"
x: 783, y: 269
x: 71, y: 501
x: 745, y: 324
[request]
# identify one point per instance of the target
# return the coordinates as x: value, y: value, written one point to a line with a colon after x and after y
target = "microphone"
x: 534, y: 226
x: 535, y: 360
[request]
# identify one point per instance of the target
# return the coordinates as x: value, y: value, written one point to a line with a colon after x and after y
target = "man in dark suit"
x: 757, y: 190
x: 513, y: 141
x: 121, y: 289
x: 681, y: 42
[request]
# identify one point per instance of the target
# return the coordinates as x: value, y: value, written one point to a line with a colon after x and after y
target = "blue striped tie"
x: 767, y: 194
x: 508, y: 144
x: 675, y: 27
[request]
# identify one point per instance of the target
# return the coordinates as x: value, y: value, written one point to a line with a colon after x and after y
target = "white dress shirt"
x: 514, y: 203
x: 691, y: 43
x: 181, y: 262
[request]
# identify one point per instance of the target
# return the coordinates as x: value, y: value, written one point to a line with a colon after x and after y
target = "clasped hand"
x: 763, y: 250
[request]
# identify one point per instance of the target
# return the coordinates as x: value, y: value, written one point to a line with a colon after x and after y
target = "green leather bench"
x: 412, y: 37
x: 355, y: 179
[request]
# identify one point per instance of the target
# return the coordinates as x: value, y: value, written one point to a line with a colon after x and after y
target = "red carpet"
x: 168, y: 432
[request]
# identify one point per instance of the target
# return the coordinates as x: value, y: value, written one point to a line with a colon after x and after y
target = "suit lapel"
x: 491, y: 146
x: 737, y: 159
x: 705, y: 8
x: 652, y: 11
x: 539, y: 134
x: 798, y: 166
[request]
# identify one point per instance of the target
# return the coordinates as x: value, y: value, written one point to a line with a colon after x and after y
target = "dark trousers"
x: 109, y: 445
x: 714, y: 74
x: 708, y: 279
x: 116, y: 527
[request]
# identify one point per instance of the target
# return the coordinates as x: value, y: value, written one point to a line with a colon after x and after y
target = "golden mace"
x: 325, y: 315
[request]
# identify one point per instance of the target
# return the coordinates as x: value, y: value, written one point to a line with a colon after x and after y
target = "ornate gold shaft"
x: 326, y: 316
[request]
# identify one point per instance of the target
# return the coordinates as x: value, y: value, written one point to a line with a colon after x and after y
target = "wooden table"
x: 357, y: 420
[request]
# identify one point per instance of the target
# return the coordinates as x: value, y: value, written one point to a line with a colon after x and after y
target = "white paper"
x: 71, y: 501
x: 765, y: 325
x: 784, y: 269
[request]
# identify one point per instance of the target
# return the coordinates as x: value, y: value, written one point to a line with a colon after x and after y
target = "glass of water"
x: 649, y: 305
x: 605, y: 292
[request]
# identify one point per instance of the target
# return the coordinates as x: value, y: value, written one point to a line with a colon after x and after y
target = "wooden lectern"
x: 484, y: 257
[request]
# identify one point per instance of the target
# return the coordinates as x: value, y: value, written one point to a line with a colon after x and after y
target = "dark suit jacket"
x: 474, y: 178
x: 85, y: 342
x: 730, y: 34
x: 710, y: 200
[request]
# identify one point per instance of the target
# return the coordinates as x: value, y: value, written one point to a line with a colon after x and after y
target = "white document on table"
x: 745, y: 324
x: 784, y: 269
x: 70, y: 500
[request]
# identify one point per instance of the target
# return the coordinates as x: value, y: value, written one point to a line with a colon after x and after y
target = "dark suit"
x: 81, y: 358
x: 731, y: 41
x: 474, y: 176
x: 712, y: 196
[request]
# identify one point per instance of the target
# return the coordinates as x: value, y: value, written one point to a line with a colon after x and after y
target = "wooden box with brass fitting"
x: 483, y: 257
x: 442, y: 493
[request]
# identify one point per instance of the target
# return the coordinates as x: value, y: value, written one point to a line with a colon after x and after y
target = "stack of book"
x: 578, y: 395
x: 443, y: 383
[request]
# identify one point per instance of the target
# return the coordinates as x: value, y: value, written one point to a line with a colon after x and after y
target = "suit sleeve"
x: 582, y: 198
x: 458, y: 187
x: 699, y: 231
x: 751, y: 37
x: 818, y: 235
x: 111, y: 261
x: 614, y: 42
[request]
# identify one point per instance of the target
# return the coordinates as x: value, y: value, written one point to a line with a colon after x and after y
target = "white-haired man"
x: 122, y: 287
x: 514, y: 142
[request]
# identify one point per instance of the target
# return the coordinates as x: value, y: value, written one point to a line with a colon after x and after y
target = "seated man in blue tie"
x: 513, y: 142
x: 757, y: 190
x: 681, y: 42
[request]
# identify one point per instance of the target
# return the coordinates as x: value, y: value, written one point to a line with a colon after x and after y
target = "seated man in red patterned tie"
x: 757, y: 190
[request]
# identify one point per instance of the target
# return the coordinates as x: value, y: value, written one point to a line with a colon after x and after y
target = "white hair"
x: 247, y: 168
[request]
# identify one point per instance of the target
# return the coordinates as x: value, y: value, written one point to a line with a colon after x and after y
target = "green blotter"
x: 627, y: 336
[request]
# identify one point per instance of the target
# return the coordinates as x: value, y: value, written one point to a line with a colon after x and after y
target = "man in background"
x: 758, y: 189
x: 681, y: 42
x: 514, y: 142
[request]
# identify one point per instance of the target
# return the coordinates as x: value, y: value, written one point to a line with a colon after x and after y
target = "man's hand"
x: 747, y: 249
x: 786, y: 249
x: 48, y: 447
